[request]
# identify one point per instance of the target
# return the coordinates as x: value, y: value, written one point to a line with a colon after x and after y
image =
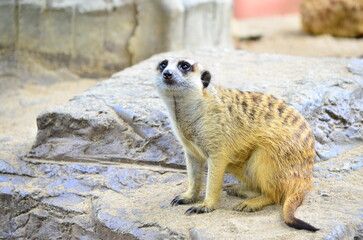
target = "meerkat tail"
x: 289, y: 207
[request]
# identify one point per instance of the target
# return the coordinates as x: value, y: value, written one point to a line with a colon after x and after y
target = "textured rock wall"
x: 95, y: 38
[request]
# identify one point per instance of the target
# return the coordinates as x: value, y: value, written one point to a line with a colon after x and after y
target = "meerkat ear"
x: 205, y: 77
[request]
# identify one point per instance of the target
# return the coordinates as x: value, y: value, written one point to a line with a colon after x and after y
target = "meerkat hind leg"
x: 254, y: 204
x: 240, y: 190
x: 235, y: 189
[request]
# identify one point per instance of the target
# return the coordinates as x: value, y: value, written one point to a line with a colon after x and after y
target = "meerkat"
x: 263, y: 142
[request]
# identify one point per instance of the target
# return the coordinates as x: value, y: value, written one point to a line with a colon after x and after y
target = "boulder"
x: 123, y: 119
x: 101, y: 37
x: 341, y: 18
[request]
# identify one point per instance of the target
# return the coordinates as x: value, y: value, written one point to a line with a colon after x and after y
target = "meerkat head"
x: 180, y: 75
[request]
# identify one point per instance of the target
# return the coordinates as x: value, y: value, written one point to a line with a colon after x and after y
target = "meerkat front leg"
x: 216, y: 170
x: 195, y: 174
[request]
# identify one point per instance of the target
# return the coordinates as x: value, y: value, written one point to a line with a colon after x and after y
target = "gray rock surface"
x: 123, y: 120
x: 98, y: 38
x: 98, y: 198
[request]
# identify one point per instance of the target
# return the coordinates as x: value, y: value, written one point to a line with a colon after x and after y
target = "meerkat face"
x: 181, y: 75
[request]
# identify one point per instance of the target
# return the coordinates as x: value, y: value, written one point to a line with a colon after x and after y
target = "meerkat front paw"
x: 244, y: 207
x: 180, y: 199
x: 201, y: 208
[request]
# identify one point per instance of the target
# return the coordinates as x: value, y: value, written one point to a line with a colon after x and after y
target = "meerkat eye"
x: 184, y: 66
x: 163, y: 65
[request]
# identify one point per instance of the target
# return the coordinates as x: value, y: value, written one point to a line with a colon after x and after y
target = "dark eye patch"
x: 184, y: 66
x: 162, y: 65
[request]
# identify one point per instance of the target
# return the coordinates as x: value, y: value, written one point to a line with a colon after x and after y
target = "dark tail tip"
x: 299, y: 224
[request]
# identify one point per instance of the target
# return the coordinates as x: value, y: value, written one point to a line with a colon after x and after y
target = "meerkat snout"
x: 168, y: 77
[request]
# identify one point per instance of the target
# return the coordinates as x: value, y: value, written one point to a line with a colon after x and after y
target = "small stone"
x: 323, y: 194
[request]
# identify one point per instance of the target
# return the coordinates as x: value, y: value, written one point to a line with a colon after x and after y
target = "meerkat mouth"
x: 169, y: 82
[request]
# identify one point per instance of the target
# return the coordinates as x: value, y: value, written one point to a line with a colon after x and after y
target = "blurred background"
x: 100, y: 37
x: 321, y: 28
x: 253, y: 9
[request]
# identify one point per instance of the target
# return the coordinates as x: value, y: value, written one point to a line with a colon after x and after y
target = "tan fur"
x: 262, y: 141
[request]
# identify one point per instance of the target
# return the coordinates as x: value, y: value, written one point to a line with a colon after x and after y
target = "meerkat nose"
x: 167, y: 75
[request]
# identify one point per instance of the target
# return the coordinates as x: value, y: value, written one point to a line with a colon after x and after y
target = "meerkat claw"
x: 198, y: 210
x: 192, y: 210
x: 177, y: 201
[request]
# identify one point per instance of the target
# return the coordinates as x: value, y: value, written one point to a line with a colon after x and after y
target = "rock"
x: 102, y: 37
x: 123, y: 119
x: 126, y: 225
x: 68, y: 210
x: 70, y: 203
x: 113, y: 116
x: 29, y: 210
x: 355, y: 67
x: 5, y: 167
x: 354, y: 230
x: 342, y: 18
